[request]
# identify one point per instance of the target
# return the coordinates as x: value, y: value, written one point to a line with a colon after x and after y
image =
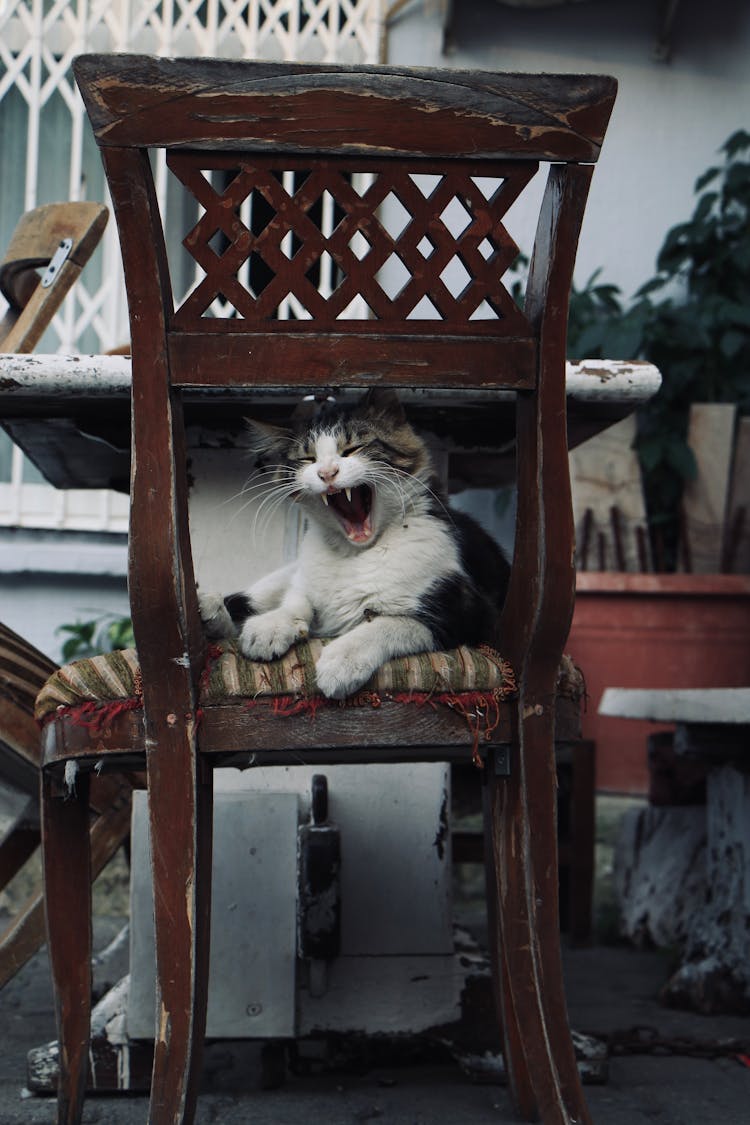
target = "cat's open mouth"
x: 353, y: 509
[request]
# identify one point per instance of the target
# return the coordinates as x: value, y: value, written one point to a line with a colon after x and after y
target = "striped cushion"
x: 115, y: 676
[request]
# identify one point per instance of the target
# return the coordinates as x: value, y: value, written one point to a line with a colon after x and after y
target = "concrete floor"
x: 610, y: 989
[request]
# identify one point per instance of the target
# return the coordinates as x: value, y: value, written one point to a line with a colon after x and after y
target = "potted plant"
x: 692, y: 320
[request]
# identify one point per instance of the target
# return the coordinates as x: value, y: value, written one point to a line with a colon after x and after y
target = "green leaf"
x: 705, y: 204
x: 681, y: 457
x: 703, y: 181
x: 738, y: 142
x: 650, y: 453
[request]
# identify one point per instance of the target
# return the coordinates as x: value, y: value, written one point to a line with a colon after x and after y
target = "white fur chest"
x: 389, y: 577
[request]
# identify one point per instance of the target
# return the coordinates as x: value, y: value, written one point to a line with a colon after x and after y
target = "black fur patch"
x: 239, y: 607
x: 466, y: 610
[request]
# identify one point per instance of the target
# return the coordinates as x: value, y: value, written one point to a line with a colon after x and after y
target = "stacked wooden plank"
x: 715, y: 520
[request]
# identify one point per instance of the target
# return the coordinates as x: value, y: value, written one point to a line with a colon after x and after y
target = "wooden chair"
x: 291, y: 134
x: 23, y: 671
x: 58, y: 238
x: 66, y: 235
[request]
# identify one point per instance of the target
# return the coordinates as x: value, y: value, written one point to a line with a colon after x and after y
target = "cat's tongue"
x: 354, y: 513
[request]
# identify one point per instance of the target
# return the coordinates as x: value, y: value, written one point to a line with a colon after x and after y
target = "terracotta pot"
x: 654, y: 631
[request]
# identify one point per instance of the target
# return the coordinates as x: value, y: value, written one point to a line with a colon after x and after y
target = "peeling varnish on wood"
x: 164, y: 1026
x: 536, y: 711
x: 190, y: 900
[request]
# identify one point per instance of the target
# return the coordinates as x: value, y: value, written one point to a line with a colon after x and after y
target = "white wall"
x: 48, y: 580
x: 669, y: 120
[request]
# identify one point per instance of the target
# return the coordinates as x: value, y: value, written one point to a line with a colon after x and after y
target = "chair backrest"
x: 58, y: 238
x: 313, y: 195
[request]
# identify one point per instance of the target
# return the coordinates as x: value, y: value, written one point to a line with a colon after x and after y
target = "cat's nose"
x: 329, y: 473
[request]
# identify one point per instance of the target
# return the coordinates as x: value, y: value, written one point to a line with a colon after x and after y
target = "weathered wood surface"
x: 363, y: 360
x: 678, y: 705
x: 522, y: 872
x: 327, y: 108
x: 608, y: 503
x: 660, y: 873
x: 705, y: 499
x: 25, y: 933
x: 737, y: 541
x: 33, y: 244
x: 242, y: 737
x: 40, y: 391
x: 40, y: 382
x: 714, y: 973
x: 23, y: 670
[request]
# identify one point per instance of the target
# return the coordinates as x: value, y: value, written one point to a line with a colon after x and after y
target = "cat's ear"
x: 384, y: 401
x: 264, y: 438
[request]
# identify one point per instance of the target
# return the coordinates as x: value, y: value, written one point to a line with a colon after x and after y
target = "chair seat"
x: 460, y: 700
x: 114, y: 678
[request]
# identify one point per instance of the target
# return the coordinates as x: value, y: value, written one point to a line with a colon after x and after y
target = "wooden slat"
x: 335, y: 734
x: 25, y: 932
x: 328, y: 108
x: 606, y: 482
x: 704, y: 504
x: 34, y: 242
x: 737, y: 542
x: 264, y: 360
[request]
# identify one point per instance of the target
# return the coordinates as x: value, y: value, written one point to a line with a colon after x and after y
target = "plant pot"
x: 654, y: 631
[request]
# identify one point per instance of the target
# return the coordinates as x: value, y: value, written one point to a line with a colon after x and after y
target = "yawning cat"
x: 384, y: 567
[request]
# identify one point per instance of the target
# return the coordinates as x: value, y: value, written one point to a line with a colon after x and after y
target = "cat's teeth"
x: 348, y: 492
x: 324, y: 498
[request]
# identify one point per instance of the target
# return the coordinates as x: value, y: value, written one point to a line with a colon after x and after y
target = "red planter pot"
x: 654, y: 631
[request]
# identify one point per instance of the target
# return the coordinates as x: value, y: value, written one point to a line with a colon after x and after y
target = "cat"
x: 385, y: 567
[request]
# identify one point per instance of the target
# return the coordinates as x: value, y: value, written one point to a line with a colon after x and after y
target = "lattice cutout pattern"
x: 330, y: 246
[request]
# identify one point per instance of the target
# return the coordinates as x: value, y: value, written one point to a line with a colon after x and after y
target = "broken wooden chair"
x: 23, y: 671
x: 47, y: 251
x: 57, y: 239
x: 287, y: 135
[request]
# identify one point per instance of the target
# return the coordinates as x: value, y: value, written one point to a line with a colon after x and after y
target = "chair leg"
x: 25, y: 933
x: 495, y: 794
x: 181, y: 868
x: 67, y: 882
x: 539, y: 1050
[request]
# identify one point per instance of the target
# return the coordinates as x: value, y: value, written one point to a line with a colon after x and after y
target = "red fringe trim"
x: 480, y: 709
x: 95, y: 717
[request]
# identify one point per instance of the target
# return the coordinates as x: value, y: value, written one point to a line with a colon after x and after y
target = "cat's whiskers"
x: 273, y: 501
x: 254, y: 485
x: 408, y: 485
x: 381, y: 482
x: 269, y: 493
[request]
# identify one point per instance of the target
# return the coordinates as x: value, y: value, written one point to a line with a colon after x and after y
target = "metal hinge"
x: 57, y: 262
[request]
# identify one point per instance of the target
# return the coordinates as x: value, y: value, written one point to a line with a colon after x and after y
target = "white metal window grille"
x: 48, y: 153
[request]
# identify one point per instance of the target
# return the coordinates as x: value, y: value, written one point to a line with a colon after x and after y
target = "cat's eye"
x: 351, y: 449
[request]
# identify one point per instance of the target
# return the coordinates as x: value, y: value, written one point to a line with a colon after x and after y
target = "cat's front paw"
x: 269, y: 635
x: 340, y: 671
x: 215, y: 617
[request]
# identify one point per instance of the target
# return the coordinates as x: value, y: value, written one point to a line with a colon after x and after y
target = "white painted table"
x: 690, y: 866
x: 70, y: 415
x: 679, y: 705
